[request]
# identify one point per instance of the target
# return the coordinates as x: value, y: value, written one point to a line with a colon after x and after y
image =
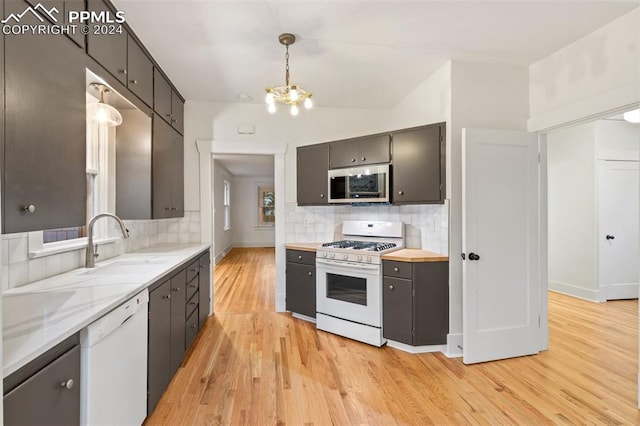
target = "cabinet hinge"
x: 441, y: 138
x: 413, y: 332
x: 538, y: 321
x: 413, y: 292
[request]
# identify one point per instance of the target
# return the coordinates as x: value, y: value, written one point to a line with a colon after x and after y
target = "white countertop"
x: 37, y: 316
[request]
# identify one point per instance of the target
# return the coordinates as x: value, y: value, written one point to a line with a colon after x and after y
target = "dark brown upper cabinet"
x: 108, y: 49
x: 419, y: 165
x: 45, y: 131
x: 168, y: 171
x: 167, y: 103
x: 139, y: 72
x: 312, y: 181
x: 360, y: 151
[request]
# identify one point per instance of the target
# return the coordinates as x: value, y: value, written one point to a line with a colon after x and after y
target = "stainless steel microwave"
x: 363, y: 184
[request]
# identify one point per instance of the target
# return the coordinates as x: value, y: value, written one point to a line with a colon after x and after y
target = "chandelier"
x: 289, y: 94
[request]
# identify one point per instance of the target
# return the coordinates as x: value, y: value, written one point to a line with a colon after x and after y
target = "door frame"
x: 206, y: 150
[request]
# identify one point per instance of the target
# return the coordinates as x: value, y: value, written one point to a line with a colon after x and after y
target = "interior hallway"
x: 253, y: 366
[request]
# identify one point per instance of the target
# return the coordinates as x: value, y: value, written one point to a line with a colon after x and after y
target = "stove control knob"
x: 324, y: 254
x: 369, y: 259
x: 332, y: 255
x: 359, y: 258
x: 345, y: 256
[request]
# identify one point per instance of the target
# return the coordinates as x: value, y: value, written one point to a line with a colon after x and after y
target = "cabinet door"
x: 110, y: 50
x: 177, y: 112
x: 431, y: 303
x: 75, y: 6
x: 397, y: 315
x: 177, y: 174
x: 418, y: 166
x: 343, y: 153
x: 301, y: 289
x: 159, y: 363
x: 43, y: 400
x: 178, y: 296
x: 161, y: 96
x: 162, y: 171
x: 140, y: 72
x: 311, y: 174
x: 45, y: 135
x: 204, y: 292
x: 373, y: 149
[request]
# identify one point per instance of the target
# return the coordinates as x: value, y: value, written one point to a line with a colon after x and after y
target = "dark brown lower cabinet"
x: 415, y: 302
x: 48, y: 392
x: 301, y: 282
x: 174, y: 323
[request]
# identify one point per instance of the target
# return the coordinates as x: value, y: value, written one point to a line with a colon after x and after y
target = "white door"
x: 618, y: 229
x: 500, y: 228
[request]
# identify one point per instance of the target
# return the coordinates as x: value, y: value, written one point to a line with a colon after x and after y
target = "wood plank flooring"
x: 253, y: 366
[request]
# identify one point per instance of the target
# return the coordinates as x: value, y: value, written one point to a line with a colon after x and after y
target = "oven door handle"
x: 346, y: 266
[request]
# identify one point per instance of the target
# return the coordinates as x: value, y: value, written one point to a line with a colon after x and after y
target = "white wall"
x: 617, y: 140
x: 246, y: 232
x: 223, y: 241
x: 598, y: 72
x: 572, y: 211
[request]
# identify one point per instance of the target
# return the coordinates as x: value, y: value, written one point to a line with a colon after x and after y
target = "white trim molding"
x: 454, y: 345
x: 417, y: 349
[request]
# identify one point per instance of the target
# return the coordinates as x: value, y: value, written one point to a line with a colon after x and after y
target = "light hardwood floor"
x: 253, y: 366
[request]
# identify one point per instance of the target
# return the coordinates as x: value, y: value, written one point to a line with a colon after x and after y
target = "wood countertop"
x: 303, y: 246
x: 415, y: 255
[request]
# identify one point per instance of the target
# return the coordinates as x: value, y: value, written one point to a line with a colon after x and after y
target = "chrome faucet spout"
x: 90, y: 259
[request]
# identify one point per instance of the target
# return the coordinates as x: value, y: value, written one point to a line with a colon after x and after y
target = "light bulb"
x: 293, y: 94
x: 307, y: 103
x: 294, y: 110
x: 271, y: 108
x: 269, y: 99
x: 632, y: 116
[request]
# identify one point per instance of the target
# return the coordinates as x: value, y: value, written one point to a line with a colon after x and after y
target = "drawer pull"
x: 396, y: 269
x: 299, y: 257
x: 122, y: 71
x: 29, y: 209
x: 67, y: 384
x: 310, y: 273
x: 175, y: 289
x: 133, y: 81
x: 193, y: 326
x: 390, y: 287
x: 400, y: 192
x: 166, y: 296
x: 363, y: 159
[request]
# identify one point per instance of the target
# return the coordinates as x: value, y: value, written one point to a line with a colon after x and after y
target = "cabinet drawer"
x: 191, y: 329
x: 192, y: 288
x: 391, y: 268
x: 300, y: 256
x: 192, y: 270
x: 192, y: 304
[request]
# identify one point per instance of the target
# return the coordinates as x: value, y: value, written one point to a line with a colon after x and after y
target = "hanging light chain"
x: 287, y: 67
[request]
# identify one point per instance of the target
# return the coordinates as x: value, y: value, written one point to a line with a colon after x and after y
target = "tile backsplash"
x: 426, y: 225
x: 18, y: 269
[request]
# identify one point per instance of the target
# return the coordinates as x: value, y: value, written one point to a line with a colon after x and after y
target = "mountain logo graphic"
x: 48, y: 13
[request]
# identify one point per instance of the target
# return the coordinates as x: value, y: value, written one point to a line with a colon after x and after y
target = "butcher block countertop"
x: 303, y: 246
x: 415, y: 255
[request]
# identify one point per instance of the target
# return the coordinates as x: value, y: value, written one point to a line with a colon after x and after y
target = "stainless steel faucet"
x: 90, y: 260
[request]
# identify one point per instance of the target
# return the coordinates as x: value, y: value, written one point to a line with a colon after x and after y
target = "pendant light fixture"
x: 289, y: 94
x: 101, y: 112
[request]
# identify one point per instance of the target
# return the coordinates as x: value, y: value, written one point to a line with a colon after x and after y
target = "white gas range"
x: 349, y: 279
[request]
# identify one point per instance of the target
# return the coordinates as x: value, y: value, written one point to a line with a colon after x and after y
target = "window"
x: 227, y: 206
x: 266, y: 206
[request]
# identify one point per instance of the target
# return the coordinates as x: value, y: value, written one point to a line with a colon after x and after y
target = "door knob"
x: 610, y: 237
x: 473, y: 256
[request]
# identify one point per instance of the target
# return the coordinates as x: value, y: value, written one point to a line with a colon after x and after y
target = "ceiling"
x: 247, y: 165
x: 364, y: 54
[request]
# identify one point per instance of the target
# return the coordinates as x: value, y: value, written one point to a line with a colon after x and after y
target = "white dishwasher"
x: 114, y: 366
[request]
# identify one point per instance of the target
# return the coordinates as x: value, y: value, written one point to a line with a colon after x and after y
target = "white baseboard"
x: 221, y: 255
x: 454, y: 345
x: 621, y: 291
x: 303, y: 317
x: 256, y: 244
x: 416, y: 349
x: 576, y: 291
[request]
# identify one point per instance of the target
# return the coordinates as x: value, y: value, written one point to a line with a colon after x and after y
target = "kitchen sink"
x: 125, y: 266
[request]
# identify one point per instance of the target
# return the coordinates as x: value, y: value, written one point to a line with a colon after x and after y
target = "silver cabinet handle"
x: 122, y: 71
x: 168, y: 115
x: 67, y: 384
x: 299, y: 257
x: 363, y: 159
x: 321, y: 195
x: 353, y: 160
x: 390, y: 287
x: 400, y: 192
x: 166, y: 296
x: 29, y: 208
x: 194, y: 326
x: 396, y: 269
x: 310, y: 274
x: 175, y: 289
